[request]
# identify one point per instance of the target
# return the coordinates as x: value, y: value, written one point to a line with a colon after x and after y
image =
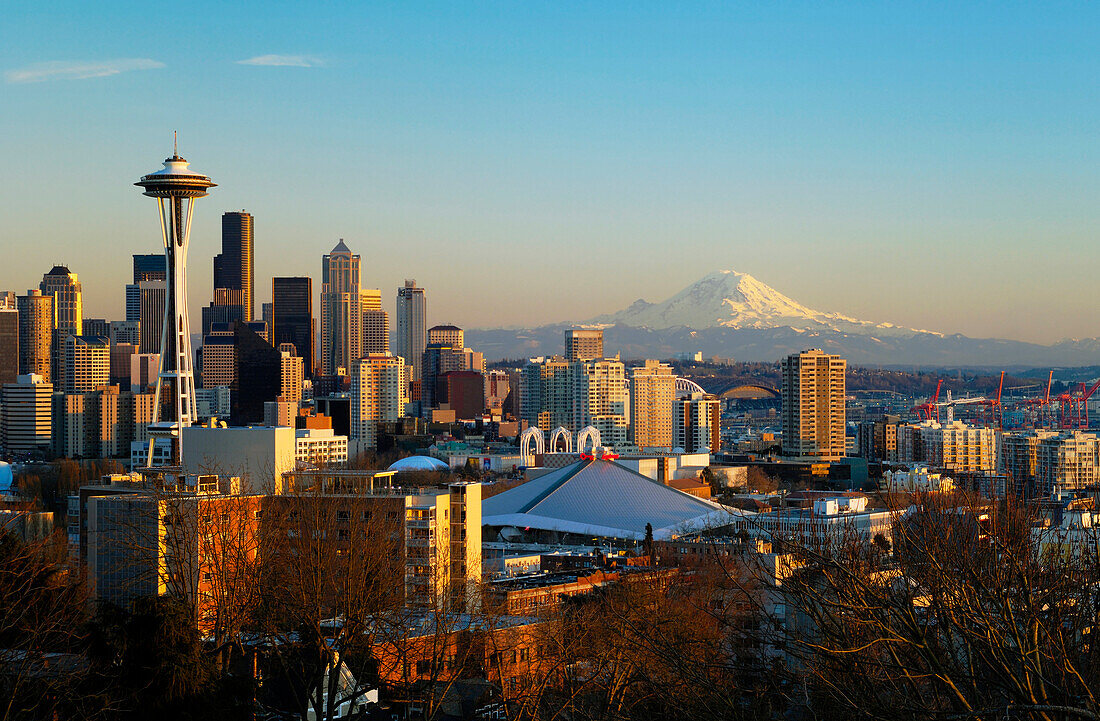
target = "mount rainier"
x: 734, y: 315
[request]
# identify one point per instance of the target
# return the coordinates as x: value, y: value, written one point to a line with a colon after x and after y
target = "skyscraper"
x: 259, y: 375
x: 583, y: 344
x: 341, y: 311
x: 292, y: 317
x: 813, y: 405
x: 233, y: 266
x: 68, y: 310
x: 153, y: 294
x: 652, y: 392
x: 35, y: 334
x: 176, y: 189
x: 150, y: 267
x: 9, y: 339
x: 411, y: 337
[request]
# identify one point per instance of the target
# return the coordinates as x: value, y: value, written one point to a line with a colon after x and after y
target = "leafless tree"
x: 974, y: 611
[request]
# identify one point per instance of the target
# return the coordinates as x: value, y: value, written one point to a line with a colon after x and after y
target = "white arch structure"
x: 561, y: 432
x: 685, y: 387
x: 533, y: 432
x: 588, y: 432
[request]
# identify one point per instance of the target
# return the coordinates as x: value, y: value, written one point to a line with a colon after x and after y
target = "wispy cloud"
x: 66, y: 70
x: 285, y: 61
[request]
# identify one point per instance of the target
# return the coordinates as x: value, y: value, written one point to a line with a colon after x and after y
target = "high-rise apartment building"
x: 153, y: 295
x: 652, y: 393
x: 572, y: 394
x: 1043, y: 462
x: 951, y: 446
x: 9, y: 339
x: 87, y: 363
x: 411, y: 337
x: 35, y: 334
x: 290, y: 376
x: 68, y: 310
x: 697, y: 423
x: 25, y: 426
x: 547, y: 393
x: 602, y: 400
x: 450, y: 335
x: 813, y: 411
x: 341, y: 311
x: 379, y: 392
x: 233, y: 267
x: 583, y: 344
x: 292, y: 317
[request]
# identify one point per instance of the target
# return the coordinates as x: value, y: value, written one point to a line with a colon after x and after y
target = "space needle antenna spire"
x: 176, y: 189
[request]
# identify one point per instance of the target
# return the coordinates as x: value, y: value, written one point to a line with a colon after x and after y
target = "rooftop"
x: 601, y: 498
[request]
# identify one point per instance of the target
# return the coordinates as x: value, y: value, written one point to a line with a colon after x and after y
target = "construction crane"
x: 1078, y: 405
x: 926, y: 410
x: 990, y: 413
x: 1037, y: 410
x: 950, y: 404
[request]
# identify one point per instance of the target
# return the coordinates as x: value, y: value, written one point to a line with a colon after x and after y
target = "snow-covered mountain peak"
x: 730, y: 299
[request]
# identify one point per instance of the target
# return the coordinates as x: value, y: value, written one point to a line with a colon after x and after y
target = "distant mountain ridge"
x: 734, y: 315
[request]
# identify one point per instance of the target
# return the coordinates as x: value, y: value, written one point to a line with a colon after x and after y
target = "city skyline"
x: 885, y: 164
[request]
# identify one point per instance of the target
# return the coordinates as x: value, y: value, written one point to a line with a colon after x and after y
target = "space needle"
x: 176, y: 189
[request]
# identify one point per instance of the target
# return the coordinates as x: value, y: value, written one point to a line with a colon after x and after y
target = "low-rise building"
x: 918, y: 479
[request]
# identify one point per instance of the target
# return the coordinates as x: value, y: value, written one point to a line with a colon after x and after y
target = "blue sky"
x: 926, y: 164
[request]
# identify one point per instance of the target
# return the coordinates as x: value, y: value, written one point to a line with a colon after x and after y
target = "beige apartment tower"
x: 379, y: 392
x: 652, y: 394
x: 813, y: 405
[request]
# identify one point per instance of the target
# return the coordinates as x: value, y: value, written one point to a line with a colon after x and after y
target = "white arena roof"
x: 602, y: 498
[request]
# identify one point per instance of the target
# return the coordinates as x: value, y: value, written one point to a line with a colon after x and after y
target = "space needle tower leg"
x: 176, y: 189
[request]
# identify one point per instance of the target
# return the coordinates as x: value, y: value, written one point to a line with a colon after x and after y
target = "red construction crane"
x: 1037, y: 410
x: 926, y: 410
x: 1079, y: 407
x: 995, y: 417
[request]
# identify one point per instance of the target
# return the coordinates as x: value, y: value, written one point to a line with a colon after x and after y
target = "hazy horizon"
x: 931, y: 167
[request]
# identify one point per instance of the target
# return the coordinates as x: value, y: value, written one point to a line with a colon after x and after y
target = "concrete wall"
x: 259, y: 455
